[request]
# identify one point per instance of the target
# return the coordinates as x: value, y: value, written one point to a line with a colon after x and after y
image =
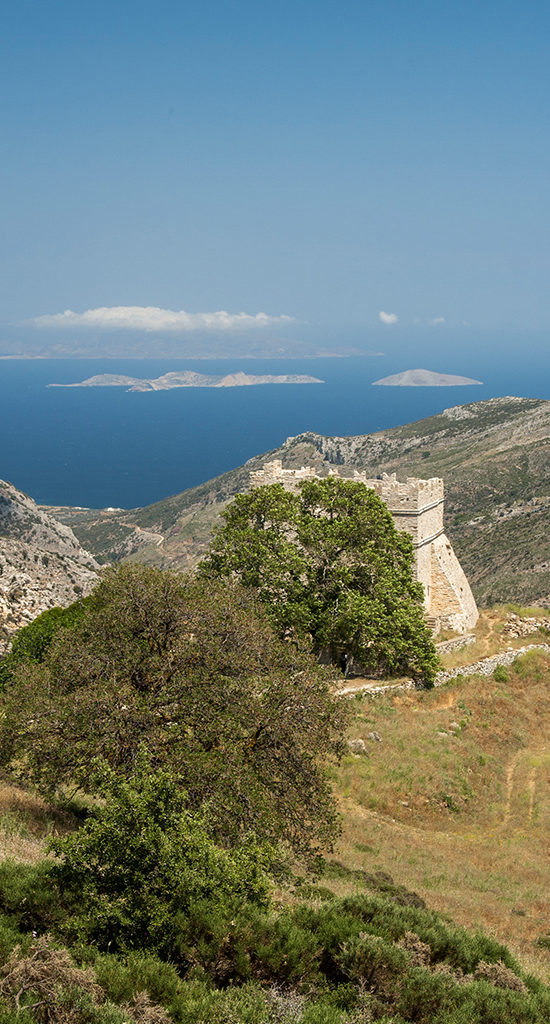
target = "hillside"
x: 41, y: 562
x: 444, y: 797
x: 452, y: 795
x: 494, y: 457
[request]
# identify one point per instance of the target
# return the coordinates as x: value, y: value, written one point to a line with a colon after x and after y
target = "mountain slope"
x: 41, y: 562
x: 494, y: 457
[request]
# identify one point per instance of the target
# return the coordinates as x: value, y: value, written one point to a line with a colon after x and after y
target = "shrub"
x: 425, y: 997
x: 379, y: 965
x: 123, y: 978
x: 30, y: 644
x: 500, y: 975
x: 143, y: 858
x: 46, y: 980
x: 28, y: 898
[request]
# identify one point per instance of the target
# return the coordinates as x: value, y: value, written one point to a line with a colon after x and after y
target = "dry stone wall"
x: 485, y: 667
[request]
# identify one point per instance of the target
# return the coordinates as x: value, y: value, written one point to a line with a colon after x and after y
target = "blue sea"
x: 103, y: 447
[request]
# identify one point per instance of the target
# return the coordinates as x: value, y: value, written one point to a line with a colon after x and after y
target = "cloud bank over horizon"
x: 153, y: 318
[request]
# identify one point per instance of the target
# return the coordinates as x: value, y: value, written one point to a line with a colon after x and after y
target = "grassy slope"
x: 455, y: 800
x: 494, y: 457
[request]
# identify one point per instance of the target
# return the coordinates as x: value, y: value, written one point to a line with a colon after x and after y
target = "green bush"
x: 9, y: 937
x: 481, y: 1003
x: 143, y: 859
x: 456, y: 946
x: 15, y: 1016
x: 236, y: 960
x: 29, y: 900
x: 122, y: 978
x: 379, y: 965
x: 31, y: 643
x: 425, y: 997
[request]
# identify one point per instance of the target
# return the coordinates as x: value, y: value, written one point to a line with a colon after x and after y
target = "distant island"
x: 424, y: 379
x: 188, y: 379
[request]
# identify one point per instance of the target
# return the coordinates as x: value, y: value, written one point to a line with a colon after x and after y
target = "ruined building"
x: 416, y: 507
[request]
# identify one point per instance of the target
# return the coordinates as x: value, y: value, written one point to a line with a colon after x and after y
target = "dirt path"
x: 156, y: 538
x: 510, y: 774
x: 531, y: 789
x: 519, y: 790
x: 526, y: 787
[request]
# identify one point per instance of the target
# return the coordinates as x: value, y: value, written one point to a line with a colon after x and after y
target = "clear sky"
x: 317, y: 160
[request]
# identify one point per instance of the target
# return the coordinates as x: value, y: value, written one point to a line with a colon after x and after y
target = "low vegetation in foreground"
x: 378, y: 955
x: 182, y: 861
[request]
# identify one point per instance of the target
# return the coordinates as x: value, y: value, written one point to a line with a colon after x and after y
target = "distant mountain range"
x: 494, y: 457
x: 73, y: 344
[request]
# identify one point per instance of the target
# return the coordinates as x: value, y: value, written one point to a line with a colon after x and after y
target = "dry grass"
x: 455, y: 801
x: 26, y: 823
x: 489, y: 635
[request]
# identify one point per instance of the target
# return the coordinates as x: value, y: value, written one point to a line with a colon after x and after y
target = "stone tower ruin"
x: 417, y: 508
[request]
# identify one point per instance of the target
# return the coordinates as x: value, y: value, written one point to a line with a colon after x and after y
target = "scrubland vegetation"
x: 188, y: 837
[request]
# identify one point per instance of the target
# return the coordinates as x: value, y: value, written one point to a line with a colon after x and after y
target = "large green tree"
x: 193, y: 670
x: 327, y: 561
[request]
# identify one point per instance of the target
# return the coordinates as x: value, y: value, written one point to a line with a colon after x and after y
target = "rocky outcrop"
x: 41, y: 563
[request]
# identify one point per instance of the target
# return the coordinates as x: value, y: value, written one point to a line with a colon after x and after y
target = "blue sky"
x: 321, y: 161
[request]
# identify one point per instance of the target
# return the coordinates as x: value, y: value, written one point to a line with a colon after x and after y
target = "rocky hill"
x: 42, y: 563
x: 494, y: 457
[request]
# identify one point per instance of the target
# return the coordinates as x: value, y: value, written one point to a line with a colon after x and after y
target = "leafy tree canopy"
x: 194, y: 670
x: 327, y: 561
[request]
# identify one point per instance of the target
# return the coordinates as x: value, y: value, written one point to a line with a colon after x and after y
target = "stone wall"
x: 485, y: 667
x: 417, y: 507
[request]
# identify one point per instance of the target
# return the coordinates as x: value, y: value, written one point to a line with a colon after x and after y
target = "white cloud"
x: 437, y: 320
x: 388, y: 318
x: 151, y: 318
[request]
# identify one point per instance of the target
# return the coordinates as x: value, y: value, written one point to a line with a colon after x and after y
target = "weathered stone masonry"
x: 417, y: 507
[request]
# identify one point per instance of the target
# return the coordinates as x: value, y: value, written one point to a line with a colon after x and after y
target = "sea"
x: 106, y: 447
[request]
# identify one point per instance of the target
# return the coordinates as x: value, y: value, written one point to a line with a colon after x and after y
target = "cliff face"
x: 41, y: 562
